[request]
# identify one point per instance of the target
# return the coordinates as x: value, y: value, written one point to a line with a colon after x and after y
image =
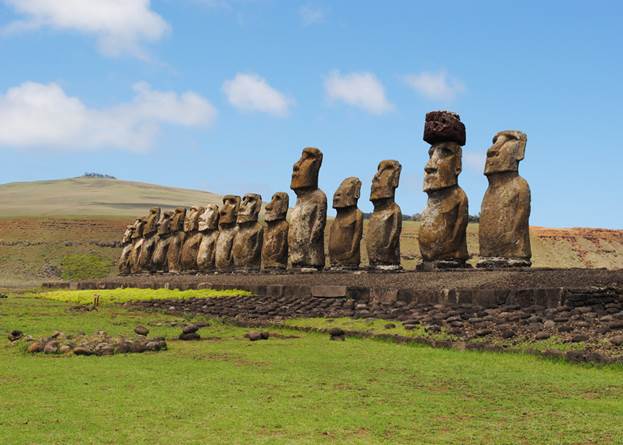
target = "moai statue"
x: 346, y: 229
x: 151, y: 239
x: 208, y: 228
x: 443, y: 226
x: 126, y: 242
x: 177, y: 240
x: 309, y: 216
x: 275, y: 245
x: 504, y: 228
x: 159, y: 258
x: 137, y: 245
x: 190, y: 249
x: 385, y: 224
x: 247, y: 247
x: 228, y: 215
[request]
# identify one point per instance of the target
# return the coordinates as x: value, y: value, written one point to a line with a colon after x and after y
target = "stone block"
x: 329, y: 291
x: 383, y: 295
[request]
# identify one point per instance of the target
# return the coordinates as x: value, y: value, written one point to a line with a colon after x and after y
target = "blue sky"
x: 222, y: 95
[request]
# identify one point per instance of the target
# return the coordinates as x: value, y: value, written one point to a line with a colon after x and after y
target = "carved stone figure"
x: 275, y: 244
x: 442, y: 237
x: 177, y: 240
x: 346, y: 229
x: 159, y: 258
x: 385, y: 224
x: 126, y: 242
x: 137, y: 245
x: 505, y: 212
x: 228, y: 215
x: 309, y: 216
x: 190, y: 249
x: 247, y: 247
x: 208, y: 228
x: 151, y: 239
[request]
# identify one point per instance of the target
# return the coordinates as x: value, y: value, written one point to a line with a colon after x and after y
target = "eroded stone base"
x: 503, y: 263
x: 429, y: 266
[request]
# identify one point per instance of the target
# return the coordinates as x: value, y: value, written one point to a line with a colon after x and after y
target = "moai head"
x: 208, y: 220
x: 164, y: 225
x: 228, y: 213
x: 347, y: 194
x: 446, y: 134
x: 191, y: 222
x: 385, y: 180
x: 249, y: 208
x: 177, y: 221
x: 139, y: 226
x: 127, y: 235
x: 305, y: 170
x: 277, y: 208
x: 509, y: 147
x: 152, y: 220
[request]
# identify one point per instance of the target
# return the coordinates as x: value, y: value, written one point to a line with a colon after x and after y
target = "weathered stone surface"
x: 141, y: 330
x: 193, y: 238
x: 228, y: 215
x: 159, y: 258
x: 247, y: 247
x: 150, y: 240
x: 504, y: 236
x: 123, y: 264
x: 309, y: 216
x: 329, y: 291
x: 137, y: 244
x: 385, y: 224
x: 275, y: 244
x: 442, y: 236
x: 177, y: 240
x: 208, y: 229
x: 346, y: 230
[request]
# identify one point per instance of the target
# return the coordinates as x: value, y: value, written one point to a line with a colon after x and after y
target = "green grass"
x: 226, y: 389
x: 84, y: 267
x: 110, y: 296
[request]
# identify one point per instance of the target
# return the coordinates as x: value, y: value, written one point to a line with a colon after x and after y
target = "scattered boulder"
x: 189, y: 336
x: 390, y: 326
x: 190, y: 329
x: 337, y: 334
x: 255, y: 336
x: 617, y: 340
x: 141, y: 330
x: 15, y: 335
x: 35, y: 347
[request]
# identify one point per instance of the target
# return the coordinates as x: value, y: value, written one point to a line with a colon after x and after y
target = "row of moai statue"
x: 231, y: 238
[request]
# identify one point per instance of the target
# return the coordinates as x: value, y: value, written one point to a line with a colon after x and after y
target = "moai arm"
x: 396, y: 230
x: 523, y: 210
x: 258, y: 240
x: 357, y: 235
x: 320, y: 219
x: 462, y: 218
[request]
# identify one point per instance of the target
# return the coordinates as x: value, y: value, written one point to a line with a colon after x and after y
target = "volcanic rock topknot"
x: 444, y: 126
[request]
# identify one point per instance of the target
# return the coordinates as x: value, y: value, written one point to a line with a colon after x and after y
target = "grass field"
x: 226, y: 389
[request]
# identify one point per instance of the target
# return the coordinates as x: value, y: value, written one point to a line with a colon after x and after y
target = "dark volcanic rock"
x: 141, y: 330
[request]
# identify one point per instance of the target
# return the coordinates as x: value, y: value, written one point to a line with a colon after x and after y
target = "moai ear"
x: 459, y: 161
x: 521, y: 146
x: 396, y: 175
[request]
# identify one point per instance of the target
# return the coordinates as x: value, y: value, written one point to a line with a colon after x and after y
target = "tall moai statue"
x: 504, y: 234
x: 275, y: 244
x: 137, y: 245
x: 346, y: 230
x: 247, y: 247
x: 443, y: 226
x: 151, y: 239
x: 159, y: 258
x: 177, y: 240
x: 126, y: 242
x: 190, y: 249
x: 208, y: 229
x: 385, y: 224
x: 309, y: 216
x: 228, y: 216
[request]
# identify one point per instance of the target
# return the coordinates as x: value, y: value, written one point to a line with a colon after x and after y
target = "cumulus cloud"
x: 44, y: 116
x: 361, y: 90
x: 311, y: 15
x: 120, y: 26
x: 249, y: 92
x: 435, y: 86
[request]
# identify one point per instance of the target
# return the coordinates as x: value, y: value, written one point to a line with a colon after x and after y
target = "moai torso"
x: 190, y: 249
x: 227, y: 232
x: 137, y: 244
x: 159, y: 258
x: 176, y: 241
x: 346, y: 230
x: 385, y: 224
x: 247, y: 246
x: 275, y: 242
x: 504, y: 235
x: 151, y: 240
x: 124, y: 259
x: 443, y: 227
x: 309, y: 216
x: 208, y: 229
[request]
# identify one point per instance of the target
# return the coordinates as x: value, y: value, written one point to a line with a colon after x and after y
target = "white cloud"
x: 120, y: 26
x: 249, y: 92
x: 44, y: 116
x: 361, y: 90
x: 435, y: 86
x: 311, y: 15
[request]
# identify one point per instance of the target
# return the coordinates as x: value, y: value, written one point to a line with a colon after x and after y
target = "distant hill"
x: 94, y: 196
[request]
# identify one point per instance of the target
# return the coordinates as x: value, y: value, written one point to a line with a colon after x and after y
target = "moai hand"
x: 275, y: 245
x: 346, y: 230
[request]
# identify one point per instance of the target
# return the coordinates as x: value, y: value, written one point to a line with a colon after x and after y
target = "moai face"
x: 305, y: 170
x: 127, y: 235
x: 385, y: 180
x: 152, y: 220
x: 228, y: 213
x: 509, y: 147
x: 208, y: 220
x: 191, y: 222
x: 164, y: 226
x: 347, y: 193
x: 443, y: 166
x: 249, y: 208
x: 177, y: 222
x: 139, y: 226
x: 277, y: 208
